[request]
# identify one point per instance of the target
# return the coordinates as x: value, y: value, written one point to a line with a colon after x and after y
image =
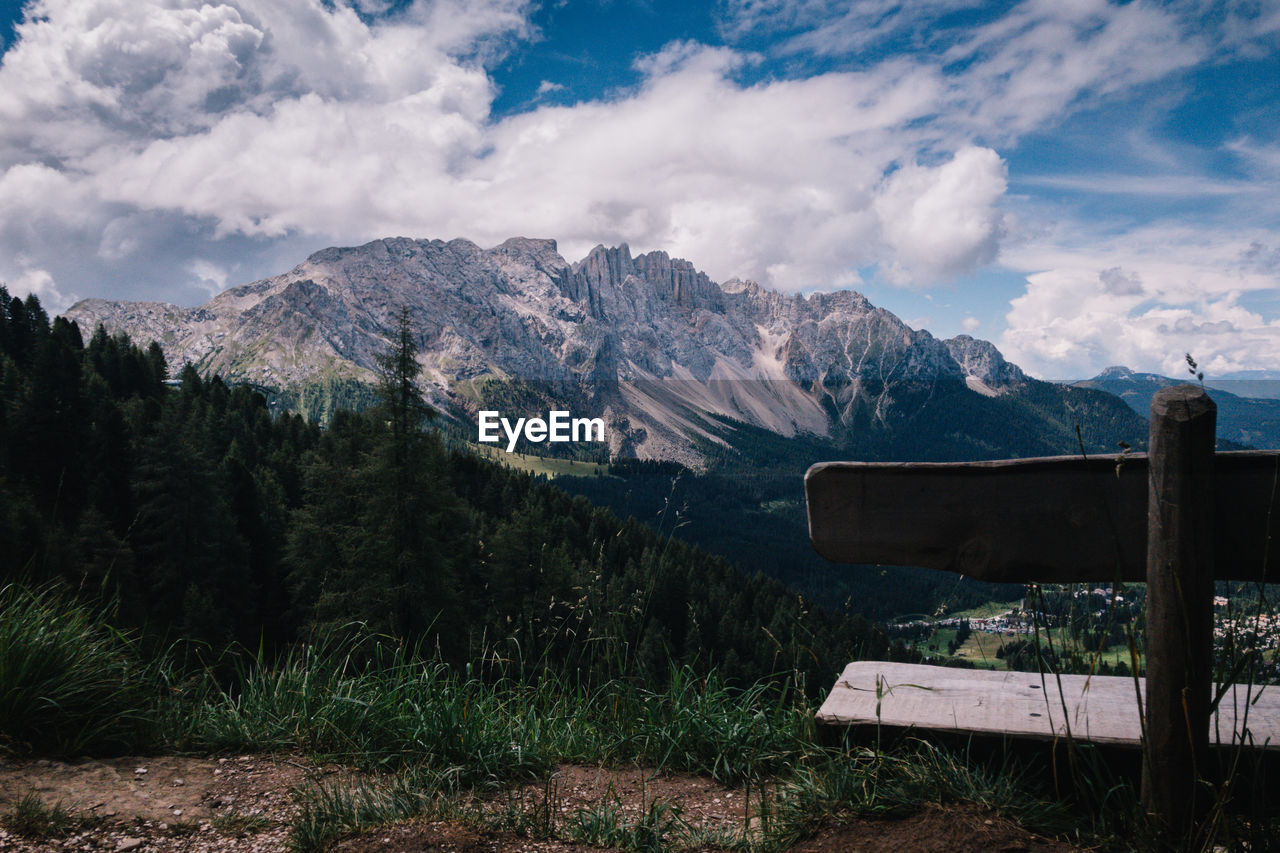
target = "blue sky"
x: 1084, y: 183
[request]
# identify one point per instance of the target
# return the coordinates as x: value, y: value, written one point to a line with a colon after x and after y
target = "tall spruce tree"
x: 375, y: 540
x: 399, y: 395
x: 412, y: 507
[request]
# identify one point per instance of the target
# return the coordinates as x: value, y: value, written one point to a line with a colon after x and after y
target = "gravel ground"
x: 245, y: 804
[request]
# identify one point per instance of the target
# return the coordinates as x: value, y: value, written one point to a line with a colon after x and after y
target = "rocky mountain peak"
x: 613, y: 283
x: 1117, y: 371
x: 983, y: 366
x: 648, y: 340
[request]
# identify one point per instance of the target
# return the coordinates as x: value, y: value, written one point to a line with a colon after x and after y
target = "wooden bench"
x: 1176, y: 518
x: 1101, y: 709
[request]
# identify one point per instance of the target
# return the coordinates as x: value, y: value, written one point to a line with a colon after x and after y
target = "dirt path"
x: 246, y: 803
x: 161, y: 803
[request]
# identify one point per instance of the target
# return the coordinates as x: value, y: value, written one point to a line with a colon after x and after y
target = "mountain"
x: 680, y: 367
x: 1258, y: 389
x: 1243, y: 420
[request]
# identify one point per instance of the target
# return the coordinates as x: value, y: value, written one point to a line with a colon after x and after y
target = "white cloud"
x: 1144, y: 300
x: 271, y: 119
x: 943, y: 220
x: 1119, y: 283
x: 1043, y: 58
x: 181, y: 143
x: 40, y: 283
x: 1024, y: 69
x: 122, y: 121
x: 765, y: 181
x: 768, y: 181
x: 209, y: 276
x: 829, y: 27
x: 1261, y: 158
x: 1250, y: 27
x: 1175, y: 184
x: 970, y: 324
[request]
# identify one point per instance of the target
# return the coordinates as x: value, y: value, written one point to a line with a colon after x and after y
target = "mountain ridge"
x: 649, y: 342
x: 1248, y: 421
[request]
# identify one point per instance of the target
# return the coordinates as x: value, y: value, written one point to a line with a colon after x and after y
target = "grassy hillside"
x: 431, y: 740
x: 541, y: 466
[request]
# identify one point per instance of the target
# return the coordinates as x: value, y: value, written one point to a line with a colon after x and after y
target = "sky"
x: 1084, y: 183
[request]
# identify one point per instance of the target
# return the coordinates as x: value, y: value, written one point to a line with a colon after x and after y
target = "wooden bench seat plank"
x: 1100, y: 709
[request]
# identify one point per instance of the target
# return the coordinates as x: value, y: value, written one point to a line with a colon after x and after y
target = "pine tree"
x: 376, y: 538
x: 410, y: 503
x: 399, y: 395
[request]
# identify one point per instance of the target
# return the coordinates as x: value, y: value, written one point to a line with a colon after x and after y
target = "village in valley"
x: 1080, y: 628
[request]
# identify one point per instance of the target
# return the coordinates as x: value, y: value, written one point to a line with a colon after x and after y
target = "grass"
x: 444, y: 736
x: 984, y: 611
x: 69, y: 683
x: 33, y: 819
x: 236, y: 823
x: 375, y: 705
x: 334, y: 810
x: 783, y: 506
x: 431, y: 740
x: 661, y: 827
x: 822, y: 787
x: 548, y: 466
x: 981, y: 648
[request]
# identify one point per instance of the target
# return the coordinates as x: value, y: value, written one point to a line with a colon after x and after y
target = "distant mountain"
x: 681, y: 368
x: 1251, y: 376
x: 1243, y: 420
x: 1258, y: 389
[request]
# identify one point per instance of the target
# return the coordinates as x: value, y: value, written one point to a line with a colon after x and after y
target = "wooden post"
x: 1180, y: 574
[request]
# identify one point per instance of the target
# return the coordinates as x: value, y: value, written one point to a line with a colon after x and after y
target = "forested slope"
x: 200, y: 516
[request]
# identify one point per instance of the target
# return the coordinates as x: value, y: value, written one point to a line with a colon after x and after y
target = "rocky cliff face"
x: 647, y: 341
x: 983, y: 366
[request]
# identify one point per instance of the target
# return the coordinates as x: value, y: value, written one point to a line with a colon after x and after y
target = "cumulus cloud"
x: 162, y: 149
x: 687, y: 164
x: 1143, y: 300
x: 379, y: 129
x: 1084, y: 307
x: 1119, y: 283
x: 942, y: 220
x: 40, y: 283
x: 136, y: 136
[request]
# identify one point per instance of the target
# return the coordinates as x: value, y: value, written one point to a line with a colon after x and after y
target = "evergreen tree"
x: 407, y: 501
x: 375, y: 539
x: 400, y: 397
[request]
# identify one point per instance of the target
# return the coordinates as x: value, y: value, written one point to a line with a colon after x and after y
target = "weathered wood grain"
x: 1099, y: 709
x: 1176, y: 520
x: 1058, y: 519
x: 1179, y: 605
